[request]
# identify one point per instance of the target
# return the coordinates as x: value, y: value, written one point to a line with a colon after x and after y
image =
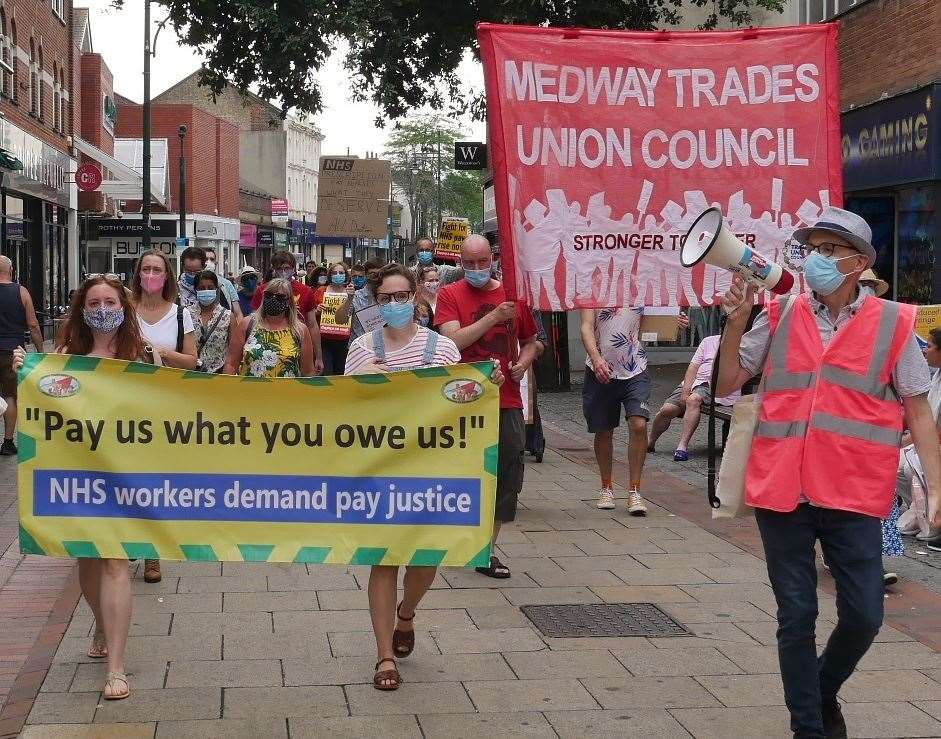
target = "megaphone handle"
x: 711, y: 431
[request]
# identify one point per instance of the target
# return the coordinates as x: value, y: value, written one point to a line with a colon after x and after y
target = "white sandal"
x: 113, y: 679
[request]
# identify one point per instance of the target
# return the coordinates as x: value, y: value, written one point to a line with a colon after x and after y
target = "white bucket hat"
x: 848, y: 226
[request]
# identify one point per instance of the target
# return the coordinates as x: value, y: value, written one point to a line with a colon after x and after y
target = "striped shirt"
x: 408, y: 357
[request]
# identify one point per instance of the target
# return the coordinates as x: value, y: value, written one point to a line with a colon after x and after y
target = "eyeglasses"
x: 399, y: 296
x: 107, y: 275
x: 824, y: 249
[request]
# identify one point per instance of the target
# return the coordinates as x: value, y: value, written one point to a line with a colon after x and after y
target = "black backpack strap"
x: 179, y: 328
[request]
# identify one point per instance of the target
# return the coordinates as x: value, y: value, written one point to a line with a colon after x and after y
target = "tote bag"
x: 730, y: 487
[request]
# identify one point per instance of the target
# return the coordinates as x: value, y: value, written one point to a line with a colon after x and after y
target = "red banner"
x: 606, y: 145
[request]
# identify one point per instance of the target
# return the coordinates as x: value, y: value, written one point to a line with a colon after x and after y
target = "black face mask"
x: 274, y: 304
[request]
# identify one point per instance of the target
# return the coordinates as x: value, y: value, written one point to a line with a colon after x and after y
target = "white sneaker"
x: 635, y: 504
x: 606, y: 499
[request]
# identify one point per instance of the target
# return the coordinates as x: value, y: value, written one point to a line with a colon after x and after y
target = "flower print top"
x: 617, y: 333
x: 271, y: 354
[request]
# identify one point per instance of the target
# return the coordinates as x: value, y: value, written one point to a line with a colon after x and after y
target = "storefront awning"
x: 122, y: 180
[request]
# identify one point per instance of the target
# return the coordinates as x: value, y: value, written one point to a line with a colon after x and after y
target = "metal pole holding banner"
x: 145, y: 206
x: 182, y: 134
x: 438, y: 139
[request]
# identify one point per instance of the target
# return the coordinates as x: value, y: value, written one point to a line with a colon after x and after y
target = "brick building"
x: 890, y: 85
x: 38, y: 75
x: 279, y: 159
x: 211, y: 151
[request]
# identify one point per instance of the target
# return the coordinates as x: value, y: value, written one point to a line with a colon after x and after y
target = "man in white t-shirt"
x: 687, y: 400
x: 615, y: 377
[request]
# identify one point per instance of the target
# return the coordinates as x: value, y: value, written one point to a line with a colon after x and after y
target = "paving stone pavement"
x: 265, y: 650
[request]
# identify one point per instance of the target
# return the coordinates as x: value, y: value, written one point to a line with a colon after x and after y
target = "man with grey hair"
x: 842, y: 377
x: 476, y: 315
x: 17, y: 315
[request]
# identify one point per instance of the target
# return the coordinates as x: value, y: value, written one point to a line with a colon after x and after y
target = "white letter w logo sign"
x: 470, y: 155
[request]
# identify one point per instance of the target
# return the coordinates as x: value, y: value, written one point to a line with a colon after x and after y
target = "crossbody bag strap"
x: 209, y: 332
x: 179, y: 328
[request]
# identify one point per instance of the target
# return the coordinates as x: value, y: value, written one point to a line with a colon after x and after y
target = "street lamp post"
x: 145, y: 195
x: 181, y: 132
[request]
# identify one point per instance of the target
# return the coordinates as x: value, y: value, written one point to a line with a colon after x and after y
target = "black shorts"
x: 7, y: 375
x: 510, y: 470
x: 602, y: 403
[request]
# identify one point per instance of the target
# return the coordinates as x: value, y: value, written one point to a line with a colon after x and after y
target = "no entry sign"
x: 88, y: 177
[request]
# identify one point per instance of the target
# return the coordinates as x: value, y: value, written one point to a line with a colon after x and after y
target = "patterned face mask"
x: 104, y: 320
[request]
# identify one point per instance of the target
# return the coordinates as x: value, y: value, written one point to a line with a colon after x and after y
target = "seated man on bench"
x: 687, y: 400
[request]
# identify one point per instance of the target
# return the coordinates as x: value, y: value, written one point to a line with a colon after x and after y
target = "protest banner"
x: 329, y: 326
x: 927, y: 318
x: 451, y: 237
x: 127, y: 460
x: 606, y: 145
x: 353, y: 197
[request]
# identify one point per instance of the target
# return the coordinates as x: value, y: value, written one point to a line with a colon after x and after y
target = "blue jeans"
x: 852, y: 546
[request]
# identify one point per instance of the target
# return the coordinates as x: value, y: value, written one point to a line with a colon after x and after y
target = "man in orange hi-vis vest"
x: 843, y: 377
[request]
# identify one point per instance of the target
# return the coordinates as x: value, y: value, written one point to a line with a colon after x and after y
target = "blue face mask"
x: 397, y: 315
x: 189, y: 279
x: 206, y: 297
x: 338, y: 278
x: 359, y: 281
x: 823, y: 274
x: 477, y: 277
x: 425, y: 257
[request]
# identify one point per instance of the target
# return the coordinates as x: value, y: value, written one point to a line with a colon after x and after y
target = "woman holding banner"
x: 102, y: 323
x: 401, y: 345
x: 273, y: 341
x: 214, y: 323
x: 334, y: 334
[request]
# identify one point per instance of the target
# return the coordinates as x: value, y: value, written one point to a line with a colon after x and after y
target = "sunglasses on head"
x: 105, y: 275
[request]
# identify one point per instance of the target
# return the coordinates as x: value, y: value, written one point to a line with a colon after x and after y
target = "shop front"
x: 38, y: 218
x: 248, y: 245
x: 115, y: 244
x: 892, y: 177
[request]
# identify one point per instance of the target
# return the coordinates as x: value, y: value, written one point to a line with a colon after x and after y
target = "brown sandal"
x: 392, y: 676
x: 152, y: 571
x: 403, y: 642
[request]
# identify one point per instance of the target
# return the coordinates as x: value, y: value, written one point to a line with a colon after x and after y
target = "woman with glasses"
x: 273, y: 341
x: 166, y: 326
x: 401, y: 345
x: 214, y: 322
x: 102, y: 323
x: 334, y: 334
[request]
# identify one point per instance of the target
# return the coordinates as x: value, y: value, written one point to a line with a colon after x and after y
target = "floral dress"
x: 271, y: 354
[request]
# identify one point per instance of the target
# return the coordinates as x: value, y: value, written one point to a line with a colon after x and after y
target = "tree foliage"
x: 413, y: 148
x: 403, y: 54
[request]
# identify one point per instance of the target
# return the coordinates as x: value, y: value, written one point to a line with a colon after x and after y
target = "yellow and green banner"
x: 128, y: 460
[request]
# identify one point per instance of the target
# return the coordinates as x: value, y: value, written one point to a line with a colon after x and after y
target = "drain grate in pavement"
x: 604, y: 619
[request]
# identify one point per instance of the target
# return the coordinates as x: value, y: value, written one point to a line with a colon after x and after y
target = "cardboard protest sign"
x: 606, y: 145
x: 329, y: 326
x: 153, y: 477
x: 450, y: 237
x: 353, y: 197
x: 928, y: 317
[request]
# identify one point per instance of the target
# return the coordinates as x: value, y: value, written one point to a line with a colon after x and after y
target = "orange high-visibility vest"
x: 831, y: 422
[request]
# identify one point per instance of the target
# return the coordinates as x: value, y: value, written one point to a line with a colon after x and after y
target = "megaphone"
x: 709, y: 239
